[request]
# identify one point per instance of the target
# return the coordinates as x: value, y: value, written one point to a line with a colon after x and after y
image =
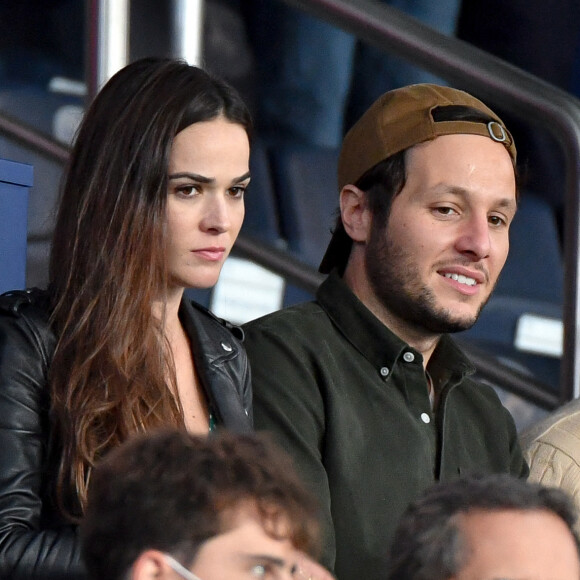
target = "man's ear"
x: 355, y: 215
x: 151, y: 565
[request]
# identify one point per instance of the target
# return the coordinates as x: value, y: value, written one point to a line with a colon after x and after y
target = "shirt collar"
x: 380, y: 346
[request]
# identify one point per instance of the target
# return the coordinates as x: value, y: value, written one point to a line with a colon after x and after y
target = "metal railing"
x: 30, y: 137
x: 491, y: 78
x: 108, y: 32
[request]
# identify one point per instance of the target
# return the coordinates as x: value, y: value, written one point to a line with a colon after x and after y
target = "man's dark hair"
x: 428, y: 543
x: 172, y: 491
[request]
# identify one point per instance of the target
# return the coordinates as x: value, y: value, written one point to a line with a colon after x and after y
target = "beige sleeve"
x: 554, y: 468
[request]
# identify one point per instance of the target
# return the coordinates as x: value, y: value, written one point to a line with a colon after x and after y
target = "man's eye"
x: 258, y: 571
x: 445, y: 210
x: 496, y: 220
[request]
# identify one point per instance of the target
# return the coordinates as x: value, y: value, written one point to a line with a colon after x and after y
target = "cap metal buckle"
x: 493, y: 127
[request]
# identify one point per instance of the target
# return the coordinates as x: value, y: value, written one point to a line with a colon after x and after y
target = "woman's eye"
x: 237, y: 191
x: 187, y: 190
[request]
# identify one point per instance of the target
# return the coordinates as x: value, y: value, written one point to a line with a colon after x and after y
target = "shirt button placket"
x: 409, y: 357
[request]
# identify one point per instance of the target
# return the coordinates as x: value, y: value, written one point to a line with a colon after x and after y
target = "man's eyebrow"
x: 279, y: 562
x: 203, y: 179
x: 506, y: 202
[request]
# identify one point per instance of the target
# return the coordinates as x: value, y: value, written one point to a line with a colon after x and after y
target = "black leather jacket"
x: 34, y: 541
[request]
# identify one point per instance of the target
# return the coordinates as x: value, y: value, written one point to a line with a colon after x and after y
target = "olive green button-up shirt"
x: 349, y: 401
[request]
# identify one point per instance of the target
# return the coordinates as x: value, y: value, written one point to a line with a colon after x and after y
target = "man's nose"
x: 474, y: 237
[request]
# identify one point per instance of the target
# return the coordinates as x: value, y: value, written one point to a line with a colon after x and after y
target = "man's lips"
x: 464, y: 280
x: 211, y: 254
x: 464, y: 275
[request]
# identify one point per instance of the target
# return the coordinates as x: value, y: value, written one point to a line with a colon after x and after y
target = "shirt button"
x: 408, y: 357
x: 425, y: 418
x: 384, y: 372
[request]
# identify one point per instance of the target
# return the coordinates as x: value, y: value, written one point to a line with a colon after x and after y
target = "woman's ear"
x: 355, y: 215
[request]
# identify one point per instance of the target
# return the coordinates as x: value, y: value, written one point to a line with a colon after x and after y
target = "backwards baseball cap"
x: 396, y: 121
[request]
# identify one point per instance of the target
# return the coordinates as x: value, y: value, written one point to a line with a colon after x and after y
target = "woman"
x: 152, y: 203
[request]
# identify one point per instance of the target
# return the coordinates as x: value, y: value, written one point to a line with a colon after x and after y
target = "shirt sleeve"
x: 553, y: 467
x: 29, y: 549
x: 288, y: 403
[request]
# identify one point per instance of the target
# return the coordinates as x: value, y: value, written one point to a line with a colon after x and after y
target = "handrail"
x: 34, y: 139
x: 280, y: 262
x: 490, y: 369
x: 503, y: 84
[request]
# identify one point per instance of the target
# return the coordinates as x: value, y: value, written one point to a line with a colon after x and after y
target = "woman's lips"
x: 210, y: 254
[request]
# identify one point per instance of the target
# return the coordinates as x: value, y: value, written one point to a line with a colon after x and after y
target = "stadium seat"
x: 39, y: 107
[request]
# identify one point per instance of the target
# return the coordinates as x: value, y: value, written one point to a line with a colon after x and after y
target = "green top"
x: 349, y: 400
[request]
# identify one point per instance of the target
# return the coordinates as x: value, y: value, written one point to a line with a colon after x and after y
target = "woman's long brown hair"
x: 109, y: 375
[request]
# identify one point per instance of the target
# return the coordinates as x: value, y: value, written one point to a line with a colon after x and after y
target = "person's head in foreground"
x: 172, y: 505
x: 487, y: 528
x: 428, y: 192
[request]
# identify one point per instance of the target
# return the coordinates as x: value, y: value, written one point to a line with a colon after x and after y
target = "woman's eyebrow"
x: 192, y: 176
x: 242, y: 177
x: 204, y: 179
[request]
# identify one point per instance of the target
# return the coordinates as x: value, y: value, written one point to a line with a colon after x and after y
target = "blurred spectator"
x: 314, y: 80
x: 552, y: 449
x: 40, y: 39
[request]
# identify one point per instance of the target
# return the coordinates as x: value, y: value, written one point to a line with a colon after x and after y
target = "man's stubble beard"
x: 396, y: 283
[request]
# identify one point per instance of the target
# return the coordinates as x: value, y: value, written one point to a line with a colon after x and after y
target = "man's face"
x: 435, y: 264
x: 517, y: 545
x: 246, y: 552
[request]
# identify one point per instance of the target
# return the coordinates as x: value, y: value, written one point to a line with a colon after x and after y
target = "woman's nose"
x: 216, y: 216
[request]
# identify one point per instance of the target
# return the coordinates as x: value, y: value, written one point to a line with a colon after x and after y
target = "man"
x: 364, y: 387
x: 171, y: 505
x: 486, y: 529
